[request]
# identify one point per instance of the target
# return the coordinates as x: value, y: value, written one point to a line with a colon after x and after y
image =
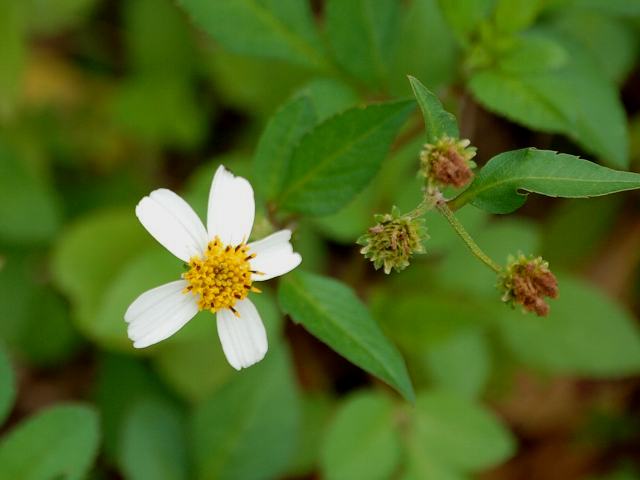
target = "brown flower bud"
x: 527, y: 281
x: 448, y: 162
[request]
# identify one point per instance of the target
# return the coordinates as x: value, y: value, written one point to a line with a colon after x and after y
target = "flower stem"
x: 446, y: 212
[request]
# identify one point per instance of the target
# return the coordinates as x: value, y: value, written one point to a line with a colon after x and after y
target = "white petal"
x: 173, y: 223
x: 231, y: 208
x: 159, y: 313
x: 243, y: 338
x: 274, y: 256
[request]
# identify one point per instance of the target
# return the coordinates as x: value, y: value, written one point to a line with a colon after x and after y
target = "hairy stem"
x: 446, y: 212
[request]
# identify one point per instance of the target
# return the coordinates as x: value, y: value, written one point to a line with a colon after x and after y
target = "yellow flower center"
x: 221, y: 277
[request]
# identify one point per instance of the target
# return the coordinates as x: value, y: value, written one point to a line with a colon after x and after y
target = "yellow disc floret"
x: 221, y: 277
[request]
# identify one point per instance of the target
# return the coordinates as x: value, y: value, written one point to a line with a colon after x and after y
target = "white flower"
x: 222, y: 268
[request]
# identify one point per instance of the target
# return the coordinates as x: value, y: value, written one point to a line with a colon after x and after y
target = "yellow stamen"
x: 221, y: 277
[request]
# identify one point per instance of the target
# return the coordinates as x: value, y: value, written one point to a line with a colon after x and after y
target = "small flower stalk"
x: 392, y: 242
x: 527, y: 281
x: 448, y: 162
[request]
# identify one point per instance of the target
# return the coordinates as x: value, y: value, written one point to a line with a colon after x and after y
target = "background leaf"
x: 281, y: 29
x: 580, y: 314
x: 361, y: 441
x: 331, y: 311
x: 458, y: 433
x: 248, y: 428
x: 7, y: 385
x: 361, y: 34
x: 154, y: 442
x: 59, y: 441
x: 496, y: 187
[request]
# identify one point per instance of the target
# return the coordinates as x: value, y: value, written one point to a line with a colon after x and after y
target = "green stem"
x: 446, y: 212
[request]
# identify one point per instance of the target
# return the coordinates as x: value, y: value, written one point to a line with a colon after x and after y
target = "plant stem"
x: 446, y: 212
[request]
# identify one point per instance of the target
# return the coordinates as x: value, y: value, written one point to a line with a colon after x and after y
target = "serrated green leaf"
x: 7, y: 385
x: 248, y: 428
x: 61, y: 441
x: 437, y: 121
x: 361, y: 34
x: 282, y: 29
x: 333, y: 313
x: 153, y: 442
x: 458, y: 433
x: 497, y: 187
x: 586, y: 333
x: 552, y: 101
x: 362, y: 441
x: 328, y: 97
x: 339, y: 157
x: 278, y: 141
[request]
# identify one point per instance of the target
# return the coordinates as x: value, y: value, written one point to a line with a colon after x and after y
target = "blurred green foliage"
x: 103, y: 101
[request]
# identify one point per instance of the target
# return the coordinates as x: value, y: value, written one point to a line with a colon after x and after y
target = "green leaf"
x: 192, y: 362
x: 154, y: 442
x: 328, y: 97
x: 61, y: 441
x: 52, y: 16
x: 611, y: 41
x: 586, y: 333
x: 13, y: 35
x: 278, y: 141
x: 461, y: 364
x: 248, y: 429
x: 362, y: 441
x: 338, y: 158
x: 317, y: 408
x: 87, y: 259
x: 458, y: 433
x: 28, y: 210
x: 437, y: 121
x: 515, y: 15
x: 148, y: 270
x: 361, y: 35
x: 121, y: 382
x: 422, y: 25
x: 552, y: 101
x: 333, y: 313
x: 7, y: 385
x: 497, y: 187
x: 465, y: 16
x: 281, y: 29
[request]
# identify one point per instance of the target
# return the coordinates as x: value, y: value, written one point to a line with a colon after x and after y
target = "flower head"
x: 393, y: 240
x: 222, y: 268
x: 448, y: 162
x: 527, y: 281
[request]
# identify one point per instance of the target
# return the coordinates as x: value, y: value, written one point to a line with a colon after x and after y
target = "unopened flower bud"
x: 448, y: 162
x: 527, y: 281
x: 393, y: 240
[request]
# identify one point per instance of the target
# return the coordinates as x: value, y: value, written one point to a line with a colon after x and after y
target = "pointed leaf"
x: 332, y: 312
x: 437, y: 121
x: 497, y: 186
